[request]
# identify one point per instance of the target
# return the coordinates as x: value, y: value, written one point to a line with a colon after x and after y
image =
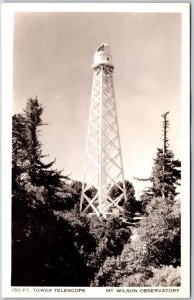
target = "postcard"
x: 96, y: 150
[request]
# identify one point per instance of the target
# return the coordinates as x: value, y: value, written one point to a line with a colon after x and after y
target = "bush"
x: 160, y: 231
x: 163, y: 276
x: 152, y: 256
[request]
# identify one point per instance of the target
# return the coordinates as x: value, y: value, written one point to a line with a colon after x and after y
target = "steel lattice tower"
x: 103, y: 161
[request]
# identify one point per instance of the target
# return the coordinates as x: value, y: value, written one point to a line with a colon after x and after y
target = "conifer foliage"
x: 30, y: 173
x: 130, y: 205
x: 166, y: 173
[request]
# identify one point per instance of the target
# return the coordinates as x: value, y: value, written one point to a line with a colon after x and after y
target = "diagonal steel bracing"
x: 103, y: 161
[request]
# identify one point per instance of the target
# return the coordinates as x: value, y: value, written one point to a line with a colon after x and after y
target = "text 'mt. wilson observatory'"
x: 103, y: 160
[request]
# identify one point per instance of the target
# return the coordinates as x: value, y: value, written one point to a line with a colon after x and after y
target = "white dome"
x: 103, y: 56
x: 105, y: 48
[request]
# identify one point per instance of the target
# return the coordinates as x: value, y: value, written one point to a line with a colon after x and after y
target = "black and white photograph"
x: 98, y: 157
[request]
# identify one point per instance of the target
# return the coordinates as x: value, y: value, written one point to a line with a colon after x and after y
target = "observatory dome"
x: 103, y: 56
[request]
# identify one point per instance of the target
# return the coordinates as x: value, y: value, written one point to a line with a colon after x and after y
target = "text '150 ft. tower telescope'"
x: 103, y: 169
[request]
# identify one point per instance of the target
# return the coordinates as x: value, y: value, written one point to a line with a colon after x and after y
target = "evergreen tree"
x: 166, y: 172
x: 33, y: 176
x: 130, y: 205
x: 20, y: 158
x: 41, y: 173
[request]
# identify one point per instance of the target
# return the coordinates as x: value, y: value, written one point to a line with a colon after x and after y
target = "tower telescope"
x: 103, y: 189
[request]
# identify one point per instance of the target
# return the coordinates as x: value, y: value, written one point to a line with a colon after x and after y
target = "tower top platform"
x: 103, y: 56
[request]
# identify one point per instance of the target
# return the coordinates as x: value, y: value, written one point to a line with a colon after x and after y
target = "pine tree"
x: 166, y: 172
x: 40, y: 173
x: 20, y: 158
x: 32, y: 179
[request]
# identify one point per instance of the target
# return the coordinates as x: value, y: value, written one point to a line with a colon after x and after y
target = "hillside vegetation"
x: 54, y: 245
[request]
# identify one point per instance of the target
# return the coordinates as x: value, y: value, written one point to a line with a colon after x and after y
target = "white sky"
x: 53, y: 55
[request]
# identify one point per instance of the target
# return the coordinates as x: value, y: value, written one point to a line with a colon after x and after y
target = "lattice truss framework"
x: 103, y: 160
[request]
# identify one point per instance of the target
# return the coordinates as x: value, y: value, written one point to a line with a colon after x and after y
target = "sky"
x: 53, y: 56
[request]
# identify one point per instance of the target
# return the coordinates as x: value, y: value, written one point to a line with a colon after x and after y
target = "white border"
x: 8, y: 10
